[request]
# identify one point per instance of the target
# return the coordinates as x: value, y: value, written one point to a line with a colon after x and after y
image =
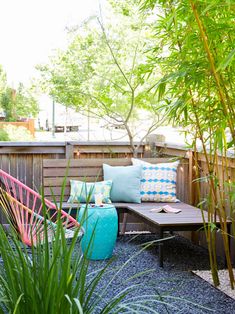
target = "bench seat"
x: 56, y: 172
x: 189, y: 219
x: 188, y: 216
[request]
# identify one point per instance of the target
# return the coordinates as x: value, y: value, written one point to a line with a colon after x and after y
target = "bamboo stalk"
x: 211, y: 164
x: 213, y: 68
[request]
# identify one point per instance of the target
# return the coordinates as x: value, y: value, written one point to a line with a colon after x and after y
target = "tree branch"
x: 112, y: 114
x: 113, y: 56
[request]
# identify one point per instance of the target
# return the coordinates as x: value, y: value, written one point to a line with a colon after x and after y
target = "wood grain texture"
x: 90, y: 170
x: 26, y: 161
x: 189, y: 218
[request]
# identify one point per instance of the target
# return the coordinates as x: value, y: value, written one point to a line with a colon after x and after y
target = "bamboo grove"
x: 194, y: 50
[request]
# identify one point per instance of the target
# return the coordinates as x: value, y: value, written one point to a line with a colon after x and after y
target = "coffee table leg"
x: 160, y: 248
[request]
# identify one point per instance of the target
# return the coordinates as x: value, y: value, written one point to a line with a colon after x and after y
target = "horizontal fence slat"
x: 31, y: 150
x: 221, y: 161
x: 108, y: 150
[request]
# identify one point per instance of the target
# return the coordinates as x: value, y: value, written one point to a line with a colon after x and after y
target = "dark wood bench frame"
x: 189, y: 219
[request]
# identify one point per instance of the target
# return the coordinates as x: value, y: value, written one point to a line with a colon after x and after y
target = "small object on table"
x: 166, y: 209
x: 98, y: 199
x: 100, y: 224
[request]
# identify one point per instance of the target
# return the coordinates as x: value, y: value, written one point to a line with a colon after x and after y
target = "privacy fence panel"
x: 24, y: 161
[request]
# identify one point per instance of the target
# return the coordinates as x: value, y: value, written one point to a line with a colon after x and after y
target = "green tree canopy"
x: 195, y: 50
x: 16, y: 103
x: 102, y: 71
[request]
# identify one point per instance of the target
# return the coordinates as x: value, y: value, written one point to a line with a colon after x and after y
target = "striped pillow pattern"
x: 158, y: 181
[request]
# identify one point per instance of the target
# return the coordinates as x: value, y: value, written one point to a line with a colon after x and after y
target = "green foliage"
x: 192, y: 91
x: 16, y: 103
x: 195, y: 50
x: 7, y: 104
x: 103, y: 70
x: 55, y: 277
x: 37, y: 282
x: 25, y: 102
x: 17, y: 133
x: 3, y: 80
x: 4, y: 135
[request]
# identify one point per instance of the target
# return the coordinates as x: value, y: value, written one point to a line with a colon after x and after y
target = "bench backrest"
x: 90, y: 170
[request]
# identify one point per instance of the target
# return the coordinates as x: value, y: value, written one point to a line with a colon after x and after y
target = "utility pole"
x: 53, y: 119
x: 88, y: 126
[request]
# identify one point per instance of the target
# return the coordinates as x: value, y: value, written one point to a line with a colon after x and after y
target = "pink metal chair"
x: 25, y: 209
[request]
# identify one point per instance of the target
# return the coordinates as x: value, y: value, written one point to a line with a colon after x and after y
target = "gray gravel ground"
x: 184, y: 292
x: 181, y: 291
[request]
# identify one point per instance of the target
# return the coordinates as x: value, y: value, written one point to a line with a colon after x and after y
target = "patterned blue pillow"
x: 158, y: 181
x: 79, y: 191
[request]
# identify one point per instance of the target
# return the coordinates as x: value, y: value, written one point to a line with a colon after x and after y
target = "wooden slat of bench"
x: 72, y: 172
x: 59, y: 181
x: 189, y: 216
x: 80, y: 163
x: 56, y: 183
x: 73, y: 163
x: 56, y: 190
x: 87, y: 170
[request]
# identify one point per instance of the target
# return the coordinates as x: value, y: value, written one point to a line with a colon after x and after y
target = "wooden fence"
x: 24, y: 160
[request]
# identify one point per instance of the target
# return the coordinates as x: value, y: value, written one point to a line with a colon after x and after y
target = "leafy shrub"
x: 4, y: 137
x: 55, y: 277
x: 17, y: 134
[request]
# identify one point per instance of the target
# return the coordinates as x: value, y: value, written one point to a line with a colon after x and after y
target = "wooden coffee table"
x: 189, y: 219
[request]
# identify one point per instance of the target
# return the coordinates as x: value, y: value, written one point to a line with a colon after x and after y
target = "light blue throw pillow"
x: 126, y: 183
x: 79, y: 191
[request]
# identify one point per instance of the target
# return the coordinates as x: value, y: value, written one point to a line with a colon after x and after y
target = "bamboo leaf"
x: 226, y: 61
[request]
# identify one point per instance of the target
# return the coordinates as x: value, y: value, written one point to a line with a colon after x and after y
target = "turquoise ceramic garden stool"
x: 100, y: 224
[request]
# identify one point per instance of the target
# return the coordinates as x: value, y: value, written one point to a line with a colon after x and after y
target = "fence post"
x: 69, y: 153
x: 151, y: 149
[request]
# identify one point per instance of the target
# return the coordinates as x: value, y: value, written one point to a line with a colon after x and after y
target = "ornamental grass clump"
x: 56, y: 277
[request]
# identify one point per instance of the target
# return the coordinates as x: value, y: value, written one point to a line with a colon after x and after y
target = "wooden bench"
x: 189, y: 219
x: 55, y: 170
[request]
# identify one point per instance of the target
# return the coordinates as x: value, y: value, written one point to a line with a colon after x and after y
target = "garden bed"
x: 172, y: 289
x: 178, y: 286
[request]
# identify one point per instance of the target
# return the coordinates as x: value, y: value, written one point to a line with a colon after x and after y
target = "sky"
x: 31, y: 29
